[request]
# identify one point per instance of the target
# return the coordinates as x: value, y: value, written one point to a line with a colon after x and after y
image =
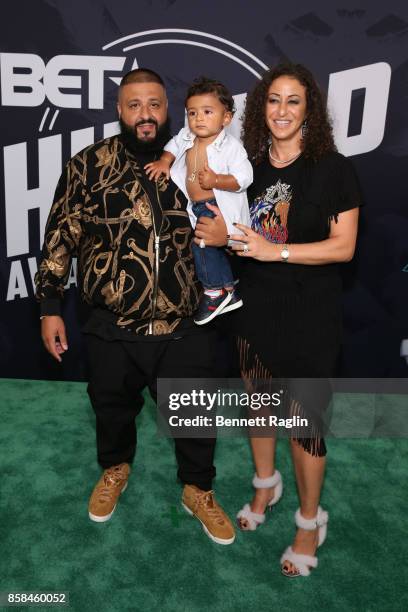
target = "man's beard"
x: 135, y: 144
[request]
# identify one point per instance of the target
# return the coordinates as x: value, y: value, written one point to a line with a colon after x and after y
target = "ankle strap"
x: 321, y: 518
x: 266, y: 483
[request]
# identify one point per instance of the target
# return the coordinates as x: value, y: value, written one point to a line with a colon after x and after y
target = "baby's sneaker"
x: 210, y: 307
x: 234, y: 303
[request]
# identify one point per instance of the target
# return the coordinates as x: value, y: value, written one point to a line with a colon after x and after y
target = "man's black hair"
x: 141, y: 75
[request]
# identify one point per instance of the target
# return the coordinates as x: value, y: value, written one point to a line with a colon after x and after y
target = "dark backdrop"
x: 52, y: 106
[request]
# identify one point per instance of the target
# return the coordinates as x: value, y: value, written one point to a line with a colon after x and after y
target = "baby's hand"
x: 207, y: 178
x: 155, y: 169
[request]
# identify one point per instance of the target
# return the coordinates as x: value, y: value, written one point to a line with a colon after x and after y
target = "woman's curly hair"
x: 318, y: 139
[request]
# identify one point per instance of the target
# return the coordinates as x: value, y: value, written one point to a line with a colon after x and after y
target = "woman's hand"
x: 212, y: 231
x: 254, y: 245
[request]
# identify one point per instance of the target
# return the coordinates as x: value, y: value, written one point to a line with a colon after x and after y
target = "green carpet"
x: 151, y: 556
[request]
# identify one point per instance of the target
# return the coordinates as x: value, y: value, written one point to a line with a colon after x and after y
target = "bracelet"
x: 216, y: 178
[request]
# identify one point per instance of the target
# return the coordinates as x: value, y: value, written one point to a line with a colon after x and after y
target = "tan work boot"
x: 215, y: 522
x: 106, y: 492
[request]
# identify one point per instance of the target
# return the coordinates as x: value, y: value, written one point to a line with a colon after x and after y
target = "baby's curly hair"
x: 204, y: 85
x: 318, y: 139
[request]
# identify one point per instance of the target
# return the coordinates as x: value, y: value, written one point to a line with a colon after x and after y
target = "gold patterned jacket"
x: 132, y: 238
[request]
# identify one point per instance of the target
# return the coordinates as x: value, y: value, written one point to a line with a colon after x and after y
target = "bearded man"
x: 132, y: 238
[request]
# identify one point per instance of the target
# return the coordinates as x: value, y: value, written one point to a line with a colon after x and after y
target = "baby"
x: 210, y: 167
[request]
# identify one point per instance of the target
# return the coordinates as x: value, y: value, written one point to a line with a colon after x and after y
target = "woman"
x: 304, y: 210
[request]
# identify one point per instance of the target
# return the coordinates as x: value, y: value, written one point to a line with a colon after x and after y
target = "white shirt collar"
x: 217, y: 143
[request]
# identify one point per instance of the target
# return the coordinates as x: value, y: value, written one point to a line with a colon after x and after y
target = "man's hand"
x: 54, y: 336
x: 155, y: 169
x: 212, y: 231
x: 207, y: 178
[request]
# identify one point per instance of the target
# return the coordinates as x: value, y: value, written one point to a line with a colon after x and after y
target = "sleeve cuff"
x: 50, y: 307
x: 171, y: 147
x: 243, y: 177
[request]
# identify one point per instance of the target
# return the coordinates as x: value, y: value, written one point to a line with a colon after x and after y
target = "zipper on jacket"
x: 156, y: 260
x: 156, y: 244
x: 156, y: 279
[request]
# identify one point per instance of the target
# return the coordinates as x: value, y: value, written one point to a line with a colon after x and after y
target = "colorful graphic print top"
x: 269, y: 212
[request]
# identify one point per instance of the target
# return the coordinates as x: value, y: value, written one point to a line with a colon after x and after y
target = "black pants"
x: 119, y: 371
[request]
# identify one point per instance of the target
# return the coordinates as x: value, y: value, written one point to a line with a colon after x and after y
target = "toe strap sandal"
x: 253, y: 519
x: 304, y: 563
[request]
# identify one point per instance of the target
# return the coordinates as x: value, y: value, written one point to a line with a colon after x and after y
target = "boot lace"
x: 206, y: 500
x: 111, y: 478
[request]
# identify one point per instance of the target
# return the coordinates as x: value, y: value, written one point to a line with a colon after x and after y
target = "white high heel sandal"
x: 304, y: 563
x: 254, y: 519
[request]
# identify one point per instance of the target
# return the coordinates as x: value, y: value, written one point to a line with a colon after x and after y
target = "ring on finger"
x: 202, y: 244
x: 246, y: 248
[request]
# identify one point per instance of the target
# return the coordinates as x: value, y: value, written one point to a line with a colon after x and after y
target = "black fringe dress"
x: 290, y: 325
